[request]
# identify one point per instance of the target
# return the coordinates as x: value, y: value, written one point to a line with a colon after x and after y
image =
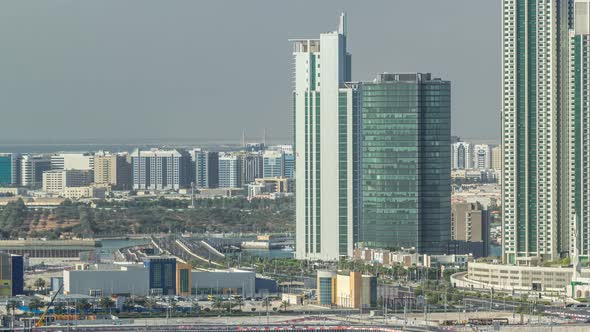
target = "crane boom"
x: 41, y: 320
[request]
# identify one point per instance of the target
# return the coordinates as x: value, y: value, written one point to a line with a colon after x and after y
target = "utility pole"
x: 192, y: 195
x: 445, y: 300
x: 425, y: 309
x: 385, y: 311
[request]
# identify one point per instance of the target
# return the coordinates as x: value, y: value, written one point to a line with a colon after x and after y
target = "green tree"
x: 39, y: 283
x: 87, y: 226
x: 35, y: 304
x: 217, y: 303
x: 83, y: 305
x: 11, y: 307
x: 59, y: 307
x: 195, y: 307
x: 173, y: 306
x: 128, y: 304
x: 285, y: 305
x: 106, y: 303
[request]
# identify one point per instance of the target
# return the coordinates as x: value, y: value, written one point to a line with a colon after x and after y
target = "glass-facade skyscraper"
x: 405, y: 162
x: 8, y: 169
x: 372, y: 159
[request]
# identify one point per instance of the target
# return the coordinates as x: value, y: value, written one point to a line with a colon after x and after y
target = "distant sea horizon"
x: 36, y: 146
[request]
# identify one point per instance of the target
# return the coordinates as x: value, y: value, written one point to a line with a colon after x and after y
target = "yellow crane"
x: 41, y: 321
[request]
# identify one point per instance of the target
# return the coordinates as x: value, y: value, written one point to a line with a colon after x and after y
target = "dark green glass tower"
x: 405, y: 162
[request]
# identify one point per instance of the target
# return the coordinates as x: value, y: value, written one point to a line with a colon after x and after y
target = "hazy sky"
x: 131, y: 70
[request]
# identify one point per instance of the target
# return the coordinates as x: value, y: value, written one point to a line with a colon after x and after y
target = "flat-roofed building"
x: 224, y: 282
x: 206, y: 168
x: 73, y: 161
x: 157, y: 169
x: 113, y: 170
x: 9, y: 169
x: 38, y: 248
x: 76, y: 193
x: 32, y: 168
x: 497, y: 158
x: 107, y: 281
x: 183, y: 279
x: 230, y: 171
x: 11, y: 275
x: 347, y: 289
x: 55, y: 181
x: 469, y: 222
x: 517, y: 277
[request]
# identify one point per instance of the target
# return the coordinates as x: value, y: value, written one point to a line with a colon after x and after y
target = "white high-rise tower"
x: 324, y: 135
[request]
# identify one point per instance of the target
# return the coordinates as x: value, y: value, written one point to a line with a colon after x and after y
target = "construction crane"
x: 41, y: 321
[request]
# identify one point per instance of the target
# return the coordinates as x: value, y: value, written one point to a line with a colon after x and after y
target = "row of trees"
x: 150, y: 216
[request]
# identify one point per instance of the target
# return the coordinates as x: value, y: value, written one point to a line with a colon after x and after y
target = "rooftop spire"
x: 342, y: 28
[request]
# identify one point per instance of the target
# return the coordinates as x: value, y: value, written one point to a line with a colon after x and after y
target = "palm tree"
x: 128, y: 304
x: 173, y: 306
x: 35, y: 304
x: 195, y: 307
x: 217, y: 303
x: 266, y: 303
x: 83, y: 305
x: 239, y: 302
x: 106, y: 303
x: 59, y: 307
x: 11, y: 305
x: 150, y: 304
x: 229, y: 305
x: 284, y: 305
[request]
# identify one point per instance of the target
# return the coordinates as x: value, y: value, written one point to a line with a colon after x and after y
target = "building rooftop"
x: 49, y: 243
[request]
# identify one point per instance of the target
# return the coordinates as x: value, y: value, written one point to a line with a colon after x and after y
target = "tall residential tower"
x: 324, y: 139
x: 545, y: 93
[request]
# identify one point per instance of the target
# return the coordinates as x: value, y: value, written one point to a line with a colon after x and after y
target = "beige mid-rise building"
x: 75, y: 193
x: 469, y: 222
x: 497, y: 158
x: 112, y: 170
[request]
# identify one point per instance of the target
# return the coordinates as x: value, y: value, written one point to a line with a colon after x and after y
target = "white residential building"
x: 324, y: 145
x: 32, y: 168
x: 461, y: 155
x: 72, y: 161
x: 273, y: 164
x: 230, y: 170
x: 55, y: 181
x: 157, y: 169
x: 545, y: 126
x: 482, y: 156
